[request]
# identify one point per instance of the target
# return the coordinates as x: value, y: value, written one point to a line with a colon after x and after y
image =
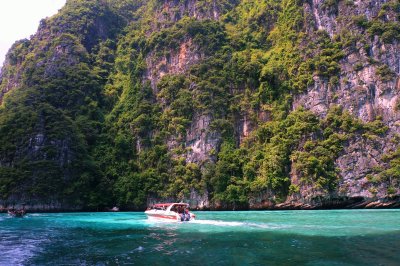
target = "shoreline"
x: 240, y: 210
x: 349, y: 205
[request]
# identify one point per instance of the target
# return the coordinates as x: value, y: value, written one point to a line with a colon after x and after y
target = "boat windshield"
x: 179, y: 208
x: 175, y: 207
x: 163, y: 206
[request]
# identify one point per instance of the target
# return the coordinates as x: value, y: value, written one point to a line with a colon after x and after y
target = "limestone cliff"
x: 225, y: 104
x: 362, y: 88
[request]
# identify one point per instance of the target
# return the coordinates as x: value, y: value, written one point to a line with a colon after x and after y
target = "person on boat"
x: 186, y: 215
x: 180, y: 212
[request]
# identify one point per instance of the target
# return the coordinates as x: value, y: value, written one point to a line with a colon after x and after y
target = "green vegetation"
x: 385, y: 73
x: 387, y: 30
x: 112, y: 98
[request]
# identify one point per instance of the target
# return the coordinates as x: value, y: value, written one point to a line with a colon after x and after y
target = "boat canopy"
x: 166, y: 205
x: 162, y: 205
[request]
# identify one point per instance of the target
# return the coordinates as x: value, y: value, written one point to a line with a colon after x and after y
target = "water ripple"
x: 241, y: 238
x: 17, y: 249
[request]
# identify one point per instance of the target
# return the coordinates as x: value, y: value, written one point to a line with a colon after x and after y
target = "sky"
x: 20, y: 19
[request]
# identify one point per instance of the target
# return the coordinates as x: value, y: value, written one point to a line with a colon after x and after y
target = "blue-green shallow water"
x: 334, y: 237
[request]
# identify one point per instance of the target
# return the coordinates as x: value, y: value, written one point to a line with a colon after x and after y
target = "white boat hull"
x: 165, y: 216
x: 171, y: 212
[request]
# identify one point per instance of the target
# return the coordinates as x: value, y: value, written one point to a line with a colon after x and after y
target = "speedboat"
x: 16, y: 213
x: 178, y: 212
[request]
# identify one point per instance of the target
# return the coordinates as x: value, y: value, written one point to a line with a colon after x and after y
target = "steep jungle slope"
x: 53, y: 107
x: 226, y: 104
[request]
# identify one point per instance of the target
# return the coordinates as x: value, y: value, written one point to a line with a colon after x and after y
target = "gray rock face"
x: 199, y: 140
x: 177, y: 61
x: 357, y: 161
x: 174, y: 10
x: 360, y: 90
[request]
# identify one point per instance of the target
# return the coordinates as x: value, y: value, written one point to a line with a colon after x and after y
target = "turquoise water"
x: 334, y: 237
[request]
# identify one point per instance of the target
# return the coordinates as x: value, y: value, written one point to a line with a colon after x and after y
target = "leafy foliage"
x: 110, y: 96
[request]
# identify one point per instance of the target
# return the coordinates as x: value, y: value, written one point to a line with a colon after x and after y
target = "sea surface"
x: 332, y: 237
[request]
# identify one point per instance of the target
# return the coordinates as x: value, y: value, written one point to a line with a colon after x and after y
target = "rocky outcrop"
x: 361, y: 89
x: 174, y: 10
x: 175, y: 62
x: 200, y: 140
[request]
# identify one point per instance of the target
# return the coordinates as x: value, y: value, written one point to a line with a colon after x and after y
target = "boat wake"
x: 16, y: 250
x: 218, y: 223
x: 240, y: 224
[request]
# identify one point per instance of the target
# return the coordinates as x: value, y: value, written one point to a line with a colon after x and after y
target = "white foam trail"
x: 16, y: 251
x: 139, y: 249
x: 218, y: 223
x: 241, y: 224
